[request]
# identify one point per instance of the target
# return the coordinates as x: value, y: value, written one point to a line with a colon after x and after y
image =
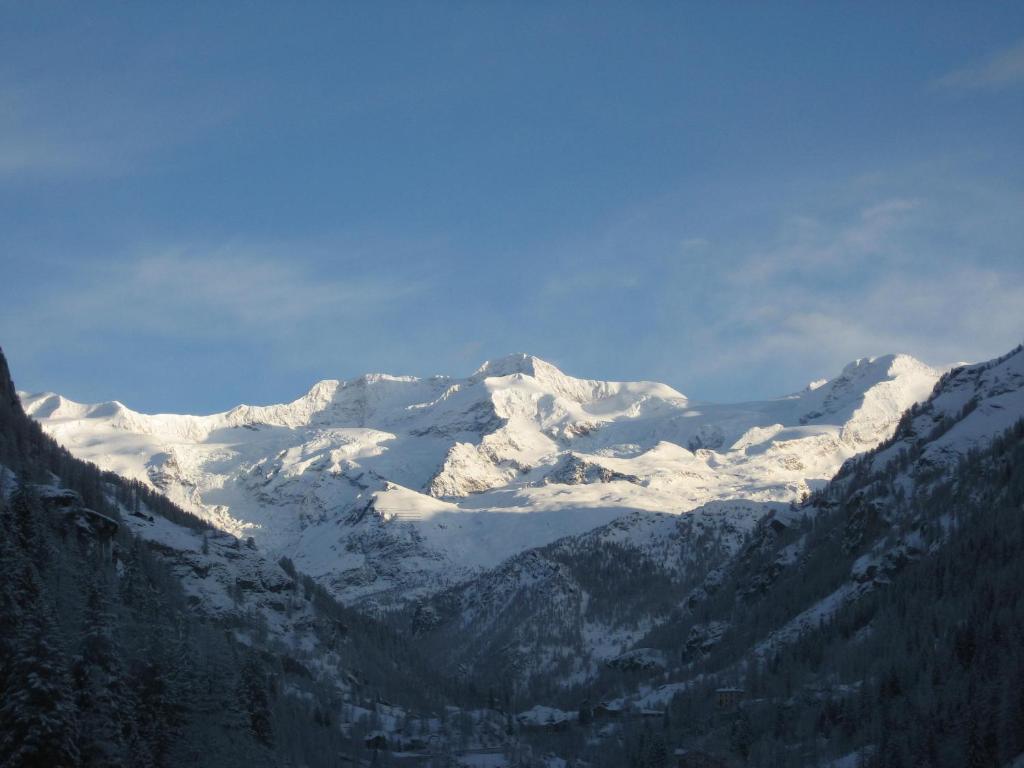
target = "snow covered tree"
x: 100, y: 686
x: 253, y: 693
x: 23, y: 510
x: 38, y: 719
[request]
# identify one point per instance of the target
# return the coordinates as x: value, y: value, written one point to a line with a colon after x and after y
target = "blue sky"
x: 210, y: 203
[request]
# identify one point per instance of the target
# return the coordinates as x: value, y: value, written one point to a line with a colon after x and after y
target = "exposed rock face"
x: 575, y: 470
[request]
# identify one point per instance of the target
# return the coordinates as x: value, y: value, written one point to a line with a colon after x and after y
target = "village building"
x: 607, y: 711
x: 728, y: 698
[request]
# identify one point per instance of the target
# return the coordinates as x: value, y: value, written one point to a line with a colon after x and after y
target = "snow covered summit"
x: 389, y: 487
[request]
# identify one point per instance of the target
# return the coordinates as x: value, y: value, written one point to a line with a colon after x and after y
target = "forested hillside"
x: 884, y: 626
x: 924, y: 666
x: 104, y: 660
x: 880, y: 623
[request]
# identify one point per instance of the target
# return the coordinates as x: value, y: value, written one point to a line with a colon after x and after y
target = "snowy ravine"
x: 388, y: 488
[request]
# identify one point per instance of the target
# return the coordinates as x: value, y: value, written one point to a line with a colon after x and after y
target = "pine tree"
x: 11, y: 562
x: 99, y: 683
x: 253, y: 692
x: 23, y: 513
x: 38, y: 720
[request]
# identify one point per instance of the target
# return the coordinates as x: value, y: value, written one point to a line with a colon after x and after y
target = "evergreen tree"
x: 100, y: 686
x: 38, y: 720
x: 253, y: 692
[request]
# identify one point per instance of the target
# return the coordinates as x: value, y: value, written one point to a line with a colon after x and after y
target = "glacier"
x: 387, y: 489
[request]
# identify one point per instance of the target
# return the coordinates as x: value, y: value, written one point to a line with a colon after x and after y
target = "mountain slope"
x: 881, y: 624
x: 899, y: 618
x: 563, y: 615
x: 133, y: 633
x: 390, y: 488
x: 553, y: 618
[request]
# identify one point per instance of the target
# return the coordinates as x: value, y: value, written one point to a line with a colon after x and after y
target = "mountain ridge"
x: 790, y: 606
x: 459, y: 474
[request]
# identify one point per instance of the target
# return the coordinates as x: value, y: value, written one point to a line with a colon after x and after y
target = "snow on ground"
x: 390, y: 487
x: 811, y: 618
x: 543, y: 715
x: 983, y: 400
x: 483, y: 760
x: 858, y: 758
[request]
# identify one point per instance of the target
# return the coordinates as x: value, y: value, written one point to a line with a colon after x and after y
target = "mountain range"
x: 539, y: 569
x: 388, y: 489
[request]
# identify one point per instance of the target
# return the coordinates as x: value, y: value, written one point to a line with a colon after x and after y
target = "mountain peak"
x: 509, y: 365
x: 885, y: 365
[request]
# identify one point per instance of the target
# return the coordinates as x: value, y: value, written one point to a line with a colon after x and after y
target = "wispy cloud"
x: 232, y: 292
x: 588, y: 281
x: 884, y: 278
x: 809, y: 244
x: 106, y: 128
x: 1004, y: 69
x: 923, y: 265
x: 939, y: 316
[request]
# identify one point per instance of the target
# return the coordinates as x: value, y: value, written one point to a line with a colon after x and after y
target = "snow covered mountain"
x: 387, y: 488
x: 561, y: 613
x: 802, y: 565
x: 655, y: 608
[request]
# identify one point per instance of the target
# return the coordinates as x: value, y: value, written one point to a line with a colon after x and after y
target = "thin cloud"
x: 896, y: 273
x: 589, y: 282
x: 809, y: 244
x: 230, y: 292
x: 936, y: 317
x: 918, y: 264
x: 692, y: 245
x: 1004, y: 69
x: 50, y: 129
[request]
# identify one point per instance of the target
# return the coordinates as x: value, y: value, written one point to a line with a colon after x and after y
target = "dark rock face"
x: 577, y: 471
